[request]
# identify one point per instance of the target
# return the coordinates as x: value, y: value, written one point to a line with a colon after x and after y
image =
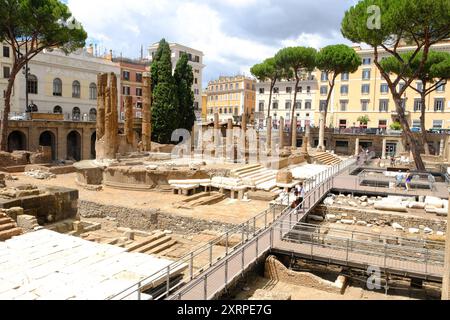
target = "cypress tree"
x: 184, y: 78
x: 165, y: 115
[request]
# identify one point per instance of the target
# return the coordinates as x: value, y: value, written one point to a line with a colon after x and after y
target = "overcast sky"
x: 233, y: 34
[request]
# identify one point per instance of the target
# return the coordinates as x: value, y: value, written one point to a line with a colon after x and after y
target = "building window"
x: 323, y: 90
x: 345, y: 76
x: 344, y: 90
x: 261, y: 107
x: 93, y: 114
x: 365, y: 89
x: 441, y: 88
x: 195, y: 81
x: 139, y: 92
x: 93, y: 91
x: 342, y: 124
x: 236, y: 111
x: 288, y: 89
x: 288, y: 105
x: 364, y: 105
x: 401, y: 85
x: 367, y: 61
x: 416, y: 124
x: 231, y: 88
x: 437, y: 124
x: 344, y: 104
x: 324, y: 76
x: 384, y: 88
x: 6, y: 72
x: 417, y: 105
x: 57, y: 110
x: 419, y: 85
x: 138, y: 77
x: 76, y: 89
x: 76, y: 114
x: 298, y: 105
x: 276, y: 90
x: 57, y: 87
x: 275, y: 105
x: 438, y: 105
x: 382, y: 124
x: 248, y: 86
x: 323, y: 105
x: 299, y: 89
x: 225, y: 110
x: 366, y: 74
x: 126, y: 90
x: 308, y: 89
x: 384, y: 106
x: 126, y: 75
x: 6, y: 53
x: 308, y: 105
x: 139, y: 105
x: 32, y: 84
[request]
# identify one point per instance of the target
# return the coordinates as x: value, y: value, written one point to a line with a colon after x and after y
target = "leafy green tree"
x: 29, y: 27
x: 386, y: 24
x: 363, y: 120
x: 184, y: 79
x: 396, y: 126
x: 165, y: 106
x: 269, y: 71
x: 435, y: 72
x: 301, y: 61
x: 335, y: 60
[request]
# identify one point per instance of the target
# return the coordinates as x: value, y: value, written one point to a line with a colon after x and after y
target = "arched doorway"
x: 93, y: 140
x: 17, y: 141
x: 47, y: 139
x: 74, y: 146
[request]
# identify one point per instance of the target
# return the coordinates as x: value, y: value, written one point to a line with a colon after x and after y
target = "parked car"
x: 20, y: 117
x: 414, y: 129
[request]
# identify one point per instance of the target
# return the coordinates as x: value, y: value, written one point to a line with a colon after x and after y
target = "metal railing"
x: 412, y: 259
x: 250, y: 234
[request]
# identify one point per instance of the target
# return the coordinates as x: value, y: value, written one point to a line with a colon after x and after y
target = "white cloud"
x: 205, y: 25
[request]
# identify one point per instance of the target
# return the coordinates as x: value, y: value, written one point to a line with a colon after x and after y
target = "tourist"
x: 409, y: 178
x: 431, y: 181
x: 301, y: 195
x: 399, y: 179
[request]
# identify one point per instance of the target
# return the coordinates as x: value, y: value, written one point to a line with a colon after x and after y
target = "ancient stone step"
x: 153, y: 245
x: 144, y: 242
x: 7, y: 226
x: 6, y: 221
x: 162, y: 247
x: 8, y: 234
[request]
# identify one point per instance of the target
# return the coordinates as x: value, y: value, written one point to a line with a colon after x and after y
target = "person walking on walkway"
x: 399, y: 179
x: 431, y: 181
x: 409, y: 178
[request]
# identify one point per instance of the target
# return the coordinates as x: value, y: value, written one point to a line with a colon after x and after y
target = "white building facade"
x: 61, y: 84
x: 196, y: 61
x: 283, y: 102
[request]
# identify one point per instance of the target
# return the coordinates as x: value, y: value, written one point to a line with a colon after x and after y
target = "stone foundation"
x: 149, y: 219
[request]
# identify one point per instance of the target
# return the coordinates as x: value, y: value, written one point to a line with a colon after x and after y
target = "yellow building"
x: 231, y: 97
x: 365, y: 92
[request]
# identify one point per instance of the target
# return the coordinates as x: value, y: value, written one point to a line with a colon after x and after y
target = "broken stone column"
x: 357, y: 146
x: 321, y: 146
x: 129, y: 132
x: 244, y: 122
x: 147, y: 115
x: 281, y: 132
x: 102, y: 83
x: 294, y: 135
x: 230, y: 145
x: 441, y: 147
x: 107, y: 143
x: 269, y: 134
x: 383, y: 151
x: 446, y: 277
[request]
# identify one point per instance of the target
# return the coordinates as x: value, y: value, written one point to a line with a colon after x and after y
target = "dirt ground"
x: 226, y: 211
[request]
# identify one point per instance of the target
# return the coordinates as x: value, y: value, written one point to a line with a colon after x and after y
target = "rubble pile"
x: 40, y: 175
